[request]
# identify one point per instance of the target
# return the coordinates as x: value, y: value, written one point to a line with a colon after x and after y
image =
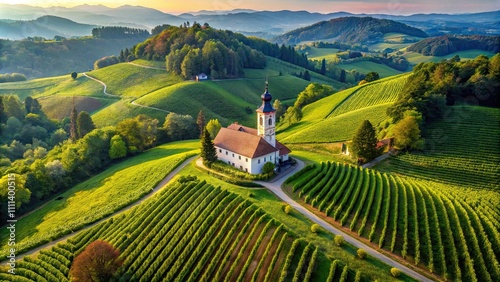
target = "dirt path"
x: 154, y: 190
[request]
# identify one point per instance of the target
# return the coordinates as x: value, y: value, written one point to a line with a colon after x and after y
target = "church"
x: 248, y: 149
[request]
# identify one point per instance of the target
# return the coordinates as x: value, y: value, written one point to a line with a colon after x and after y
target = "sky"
x: 400, y: 7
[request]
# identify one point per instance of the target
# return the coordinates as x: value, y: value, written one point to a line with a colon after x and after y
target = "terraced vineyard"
x: 192, y: 231
x: 439, y: 230
x: 336, y: 117
x: 462, y: 149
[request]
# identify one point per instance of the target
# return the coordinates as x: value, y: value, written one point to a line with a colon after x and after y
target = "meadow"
x: 368, y: 66
x: 415, y: 58
x: 100, y: 196
x: 434, y: 228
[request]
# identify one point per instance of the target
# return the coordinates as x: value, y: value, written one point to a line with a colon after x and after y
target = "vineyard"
x: 451, y: 234
x: 462, y: 149
x: 192, y: 231
x: 336, y: 117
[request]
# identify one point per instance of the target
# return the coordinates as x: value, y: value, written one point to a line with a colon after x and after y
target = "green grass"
x: 416, y: 58
x: 101, y: 195
x: 190, y: 97
x: 58, y: 107
x: 423, y: 222
x: 337, y: 117
x: 335, y: 129
x: 128, y: 80
x: 367, y: 66
x: 283, y: 88
x: 60, y: 86
x: 462, y: 149
x: 116, y: 112
x: 155, y: 64
x: 328, y: 54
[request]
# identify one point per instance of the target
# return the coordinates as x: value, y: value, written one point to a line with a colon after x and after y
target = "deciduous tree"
x: 118, y: 148
x: 213, y: 127
x: 84, y: 124
x: 407, y: 133
x: 98, y: 262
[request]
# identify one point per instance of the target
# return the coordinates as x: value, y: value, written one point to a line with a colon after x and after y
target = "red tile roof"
x: 245, y: 141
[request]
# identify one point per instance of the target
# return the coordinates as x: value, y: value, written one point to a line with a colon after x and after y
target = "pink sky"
x: 325, y: 6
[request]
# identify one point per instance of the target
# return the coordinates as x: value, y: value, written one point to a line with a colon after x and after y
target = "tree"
x: 372, y: 76
x: 213, y: 127
x: 98, y: 262
x: 315, y: 228
x: 180, y: 127
x: 208, y: 153
x: 139, y: 132
x: 339, y: 240
x: 361, y: 253
x: 307, y: 76
x: 117, y: 148
x: 280, y: 109
x: 268, y: 168
x: 84, y: 124
x: 200, y: 121
x: 73, y: 131
x: 293, y: 115
x: 323, y: 67
x: 288, y: 209
x: 406, y: 133
x: 395, y: 272
x: 74, y: 75
x: 364, y: 142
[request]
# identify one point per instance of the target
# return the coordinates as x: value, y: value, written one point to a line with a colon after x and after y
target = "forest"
x: 447, y: 44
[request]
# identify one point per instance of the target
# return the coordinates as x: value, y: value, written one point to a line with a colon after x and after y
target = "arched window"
x: 270, y: 121
x: 261, y: 121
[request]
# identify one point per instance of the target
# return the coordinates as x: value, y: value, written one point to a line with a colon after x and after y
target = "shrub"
x: 339, y: 240
x: 288, y: 209
x: 361, y: 253
x: 268, y: 168
x: 395, y: 272
x: 315, y: 228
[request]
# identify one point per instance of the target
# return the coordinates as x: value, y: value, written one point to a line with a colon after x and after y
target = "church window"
x: 261, y: 121
x: 226, y: 153
x: 229, y: 162
x: 241, y: 167
x: 220, y: 150
x: 233, y: 155
x: 258, y: 161
x: 246, y: 169
x: 270, y: 121
x: 246, y: 159
x: 264, y: 159
x: 239, y: 157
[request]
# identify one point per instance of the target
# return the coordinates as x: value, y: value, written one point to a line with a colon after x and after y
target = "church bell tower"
x: 266, y: 118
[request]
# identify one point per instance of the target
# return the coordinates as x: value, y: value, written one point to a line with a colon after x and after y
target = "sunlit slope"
x: 336, y: 117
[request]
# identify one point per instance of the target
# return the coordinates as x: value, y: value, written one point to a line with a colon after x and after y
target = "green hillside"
x: 433, y: 226
x: 416, y: 58
x: 194, y: 231
x: 336, y: 117
x: 101, y: 195
x: 462, y: 149
x: 368, y: 66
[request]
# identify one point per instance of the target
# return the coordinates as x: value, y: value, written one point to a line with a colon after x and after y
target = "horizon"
x: 393, y: 7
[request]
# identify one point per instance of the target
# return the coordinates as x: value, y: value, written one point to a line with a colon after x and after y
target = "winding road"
x: 275, y: 187
x: 154, y: 190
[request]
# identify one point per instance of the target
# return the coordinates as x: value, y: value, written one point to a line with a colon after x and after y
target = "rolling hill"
x: 350, y: 30
x: 447, y: 44
x: 336, y: 117
x: 45, y: 26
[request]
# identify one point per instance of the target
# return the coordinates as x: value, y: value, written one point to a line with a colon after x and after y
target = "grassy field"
x: 367, y: 66
x: 63, y: 86
x: 116, y: 112
x: 58, y: 107
x: 328, y: 54
x: 394, y: 41
x: 413, y: 219
x: 103, y: 194
x: 190, y: 97
x: 128, y: 80
x: 336, y: 117
x: 416, y: 58
x: 462, y: 149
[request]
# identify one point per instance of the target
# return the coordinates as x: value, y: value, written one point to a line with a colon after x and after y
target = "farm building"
x: 248, y: 148
x: 201, y: 77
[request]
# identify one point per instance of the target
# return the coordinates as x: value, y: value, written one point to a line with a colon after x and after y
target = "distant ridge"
x: 365, y: 30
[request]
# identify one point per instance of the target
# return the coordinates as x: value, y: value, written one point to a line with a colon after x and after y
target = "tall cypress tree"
x: 208, y: 152
x: 323, y: 67
x: 200, y: 121
x: 73, y: 130
x: 84, y: 124
x: 364, y: 143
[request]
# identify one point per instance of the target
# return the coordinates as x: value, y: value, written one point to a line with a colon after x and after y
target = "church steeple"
x: 266, y: 119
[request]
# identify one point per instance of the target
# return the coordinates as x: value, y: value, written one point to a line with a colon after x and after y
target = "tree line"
x: 113, y: 32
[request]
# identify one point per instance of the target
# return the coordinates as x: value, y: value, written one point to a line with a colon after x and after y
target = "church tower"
x: 266, y: 118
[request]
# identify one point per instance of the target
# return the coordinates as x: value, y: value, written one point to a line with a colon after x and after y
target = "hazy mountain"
x: 46, y: 26
x: 266, y: 24
x: 350, y: 30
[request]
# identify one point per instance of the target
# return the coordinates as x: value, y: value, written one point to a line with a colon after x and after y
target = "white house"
x: 249, y: 149
x: 201, y: 77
